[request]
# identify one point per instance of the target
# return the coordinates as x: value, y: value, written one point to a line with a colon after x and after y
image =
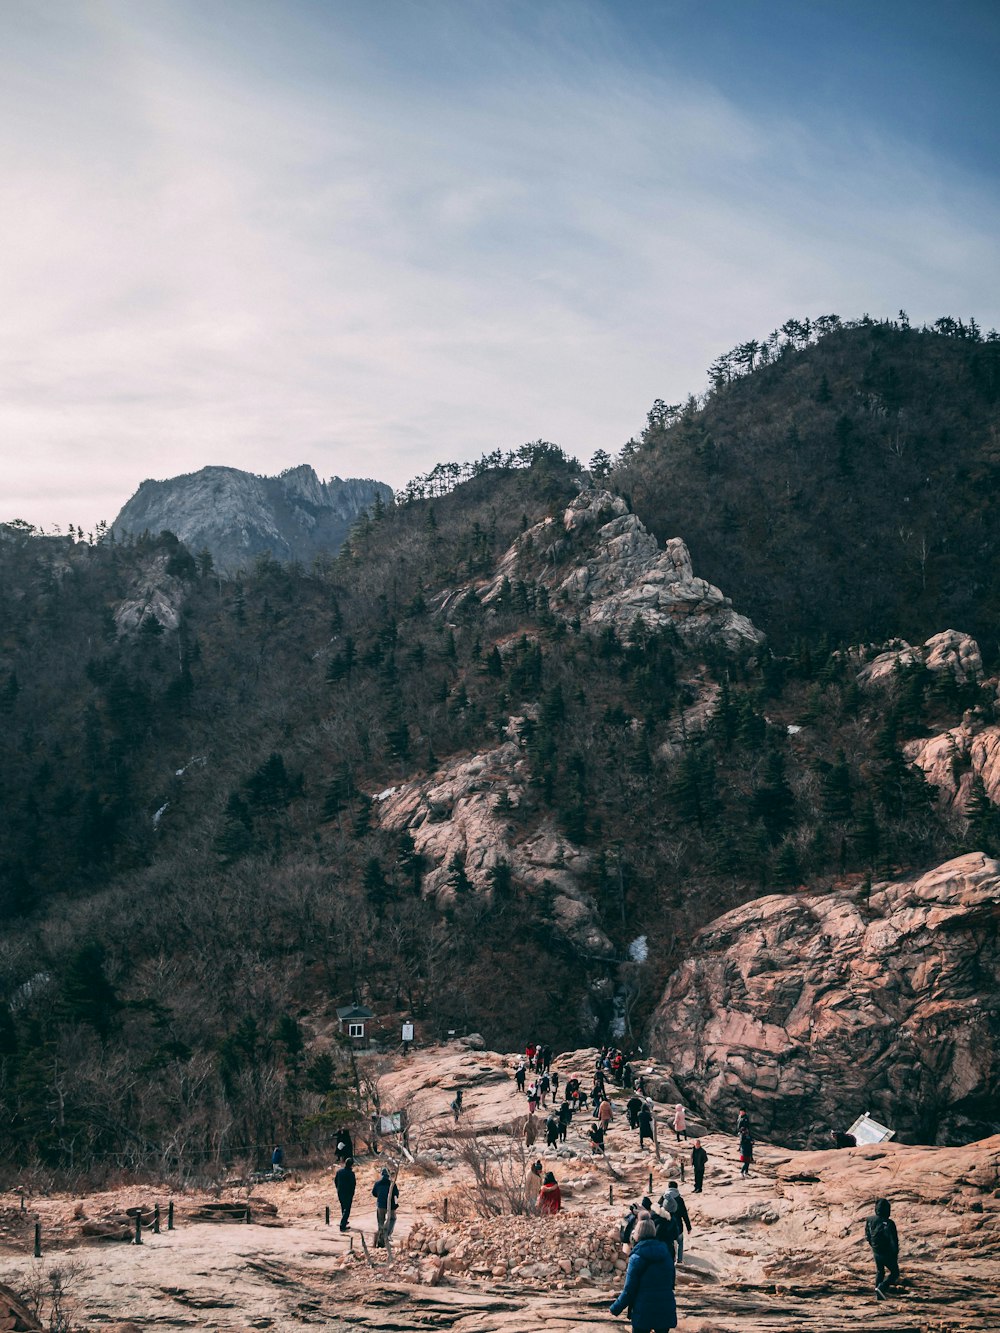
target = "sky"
x: 373, y: 235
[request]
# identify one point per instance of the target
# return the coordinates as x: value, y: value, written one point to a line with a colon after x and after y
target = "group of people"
x: 385, y: 1192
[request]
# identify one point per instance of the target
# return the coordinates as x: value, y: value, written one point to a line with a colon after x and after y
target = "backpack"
x: 879, y: 1237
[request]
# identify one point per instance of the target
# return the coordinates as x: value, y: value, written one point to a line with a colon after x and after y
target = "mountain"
x: 237, y: 516
x: 494, y: 766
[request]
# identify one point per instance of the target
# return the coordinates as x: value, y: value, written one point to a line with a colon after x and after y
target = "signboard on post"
x: 407, y: 1031
x: 868, y: 1131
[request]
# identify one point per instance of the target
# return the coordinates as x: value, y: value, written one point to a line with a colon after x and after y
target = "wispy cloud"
x: 262, y: 255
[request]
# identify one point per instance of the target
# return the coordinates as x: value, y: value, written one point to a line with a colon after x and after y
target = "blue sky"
x: 373, y: 236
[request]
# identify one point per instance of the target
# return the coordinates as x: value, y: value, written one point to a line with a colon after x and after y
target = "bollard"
x: 446, y: 1208
x: 611, y: 1194
x: 38, y: 1240
x: 156, y: 1219
x: 22, y: 1203
x: 682, y: 1170
x: 138, y: 1229
x: 170, y: 1215
x: 650, y: 1190
x: 246, y: 1215
x: 327, y: 1214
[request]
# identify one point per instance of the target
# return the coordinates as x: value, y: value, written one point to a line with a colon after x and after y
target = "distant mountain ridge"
x: 238, y: 516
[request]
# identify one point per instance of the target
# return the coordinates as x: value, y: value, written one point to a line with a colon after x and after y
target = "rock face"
x: 948, y: 651
x: 809, y: 1010
x: 156, y: 594
x: 465, y: 811
x: 237, y: 515
x: 951, y: 761
x: 600, y: 562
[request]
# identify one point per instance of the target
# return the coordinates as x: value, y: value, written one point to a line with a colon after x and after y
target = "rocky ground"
x: 782, y: 1250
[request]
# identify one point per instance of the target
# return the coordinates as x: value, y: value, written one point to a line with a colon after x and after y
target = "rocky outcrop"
x: 599, y: 562
x: 154, y: 595
x: 948, y: 651
x: 953, y: 759
x: 462, y: 816
x: 811, y: 1009
x: 238, y: 516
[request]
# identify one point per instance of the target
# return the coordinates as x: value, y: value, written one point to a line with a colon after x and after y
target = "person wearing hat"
x: 386, y: 1195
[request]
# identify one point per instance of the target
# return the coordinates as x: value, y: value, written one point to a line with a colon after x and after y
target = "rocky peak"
x: 809, y: 1009
x: 238, y: 516
x: 600, y: 562
x: 951, y: 650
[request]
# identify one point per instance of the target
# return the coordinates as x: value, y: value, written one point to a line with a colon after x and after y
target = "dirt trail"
x: 783, y: 1250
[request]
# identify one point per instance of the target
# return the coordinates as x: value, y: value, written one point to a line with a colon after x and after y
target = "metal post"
x: 611, y: 1194
x: 446, y: 1208
x: 327, y: 1214
x: 156, y: 1219
x: 38, y: 1240
x: 138, y: 1229
x: 246, y: 1215
x: 650, y: 1190
x: 170, y: 1215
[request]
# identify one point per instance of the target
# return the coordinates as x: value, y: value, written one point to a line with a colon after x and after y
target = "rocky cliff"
x: 810, y: 1009
x: 238, y: 515
x: 599, y: 562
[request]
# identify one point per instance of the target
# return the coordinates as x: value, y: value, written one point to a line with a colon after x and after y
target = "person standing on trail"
x: 680, y: 1122
x: 456, y: 1105
x: 386, y: 1195
x: 677, y: 1209
x: 345, y: 1145
x: 345, y: 1182
x: 565, y: 1116
x: 605, y: 1114
x: 520, y: 1074
x: 555, y: 1084
x: 746, y: 1152
x: 532, y: 1099
x: 530, y: 1131
x: 596, y: 1137
x: 278, y: 1158
x: 632, y: 1108
x: 550, y: 1195
x: 881, y: 1235
x: 551, y: 1130
x: 648, y: 1293
x: 645, y: 1119
x: 698, y: 1159
x: 543, y: 1087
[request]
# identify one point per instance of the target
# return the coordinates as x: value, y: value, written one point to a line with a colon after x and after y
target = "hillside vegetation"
x: 192, y: 869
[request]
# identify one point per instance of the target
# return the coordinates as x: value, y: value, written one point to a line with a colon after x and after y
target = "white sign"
x: 868, y: 1131
x: 407, y: 1031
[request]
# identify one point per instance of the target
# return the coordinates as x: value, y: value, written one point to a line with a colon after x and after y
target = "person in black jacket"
x: 645, y: 1119
x: 881, y: 1235
x: 346, y: 1182
x: 386, y: 1194
x: 698, y: 1159
x: 632, y: 1108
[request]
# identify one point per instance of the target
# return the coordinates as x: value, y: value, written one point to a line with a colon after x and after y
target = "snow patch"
x: 384, y: 795
x: 160, y: 813
x: 793, y: 728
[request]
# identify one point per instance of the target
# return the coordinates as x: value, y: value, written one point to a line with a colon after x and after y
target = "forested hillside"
x: 194, y: 870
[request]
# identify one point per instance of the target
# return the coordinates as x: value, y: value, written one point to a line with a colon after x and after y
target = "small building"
x: 354, y: 1020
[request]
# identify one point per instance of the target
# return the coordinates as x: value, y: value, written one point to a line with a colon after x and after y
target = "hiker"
x: 530, y: 1131
x: 645, y: 1125
x: 278, y: 1159
x: 698, y: 1159
x: 632, y: 1108
x: 536, y: 1169
x: 551, y: 1130
x: 746, y: 1153
x: 345, y: 1182
x: 649, y: 1282
x: 605, y: 1114
x: 596, y: 1137
x: 532, y: 1099
x: 386, y: 1194
x: 677, y: 1208
x: 680, y: 1122
x: 881, y: 1235
x: 742, y: 1124
x: 544, y: 1084
x: 345, y: 1145
x: 456, y: 1104
x: 555, y: 1084
x: 572, y: 1091
x: 520, y: 1074
x: 550, y: 1195
x: 565, y: 1116
x: 529, y: 1051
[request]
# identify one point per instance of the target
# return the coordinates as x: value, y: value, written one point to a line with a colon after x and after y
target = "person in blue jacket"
x: 649, y: 1282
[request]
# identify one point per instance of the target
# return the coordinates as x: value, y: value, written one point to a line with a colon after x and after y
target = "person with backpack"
x: 386, y: 1194
x: 632, y: 1108
x: 345, y: 1182
x: 565, y: 1117
x: 674, y: 1206
x: 645, y: 1119
x: 881, y: 1235
x: 596, y: 1137
x: 698, y: 1159
x: 648, y: 1292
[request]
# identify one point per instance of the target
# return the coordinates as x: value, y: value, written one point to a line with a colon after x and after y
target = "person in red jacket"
x: 550, y: 1195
